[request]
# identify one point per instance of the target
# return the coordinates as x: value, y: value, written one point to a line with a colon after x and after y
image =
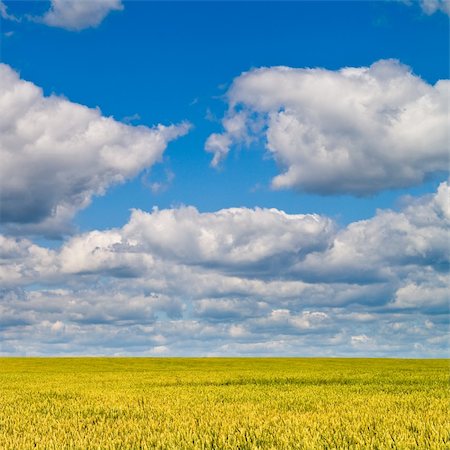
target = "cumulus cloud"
x: 235, y: 281
x: 389, y: 244
x: 431, y: 295
x: 357, y: 130
x: 239, y: 248
x: 76, y: 15
x: 56, y: 154
x: 232, y: 239
x: 21, y: 261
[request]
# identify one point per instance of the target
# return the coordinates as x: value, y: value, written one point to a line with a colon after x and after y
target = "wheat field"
x: 223, y: 403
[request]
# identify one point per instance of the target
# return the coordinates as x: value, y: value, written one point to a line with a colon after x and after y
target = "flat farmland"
x: 223, y: 403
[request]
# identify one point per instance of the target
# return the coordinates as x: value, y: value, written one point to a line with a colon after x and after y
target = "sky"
x: 224, y: 178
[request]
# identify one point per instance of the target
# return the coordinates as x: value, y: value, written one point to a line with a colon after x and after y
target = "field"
x: 133, y: 403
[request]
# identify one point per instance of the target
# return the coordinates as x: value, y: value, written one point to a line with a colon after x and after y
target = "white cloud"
x: 5, y: 15
x: 431, y: 295
x: 260, y: 252
x: 283, y: 321
x: 431, y: 6
x: 230, y: 238
x: 76, y: 15
x: 361, y: 341
x: 56, y: 154
x: 355, y: 130
x: 22, y: 261
x: 234, y: 281
x: 388, y: 244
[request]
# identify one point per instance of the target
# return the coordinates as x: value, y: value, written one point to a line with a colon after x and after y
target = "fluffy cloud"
x: 22, y: 261
x: 233, y: 240
x: 389, y: 244
x: 430, y: 296
x: 238, y: 248
x: 76, y: 15
x: 431, y: 6
x: 62, y: 153
x: 354, y: 130
x: 236, y: 281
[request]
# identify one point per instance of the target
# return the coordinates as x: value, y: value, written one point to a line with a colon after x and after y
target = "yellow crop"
x: 221, y: 403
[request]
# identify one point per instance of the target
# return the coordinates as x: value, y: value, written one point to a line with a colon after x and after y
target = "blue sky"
x: 173, y: 63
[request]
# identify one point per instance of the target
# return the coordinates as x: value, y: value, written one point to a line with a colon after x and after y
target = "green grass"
x: 221, y: 403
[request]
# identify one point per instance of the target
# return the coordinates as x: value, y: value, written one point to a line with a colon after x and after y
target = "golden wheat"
x: 133, y: 403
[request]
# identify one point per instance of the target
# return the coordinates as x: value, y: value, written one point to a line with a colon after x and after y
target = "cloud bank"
x: 357, y: 130
x: 236, y: 281
x: 56, y: 155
